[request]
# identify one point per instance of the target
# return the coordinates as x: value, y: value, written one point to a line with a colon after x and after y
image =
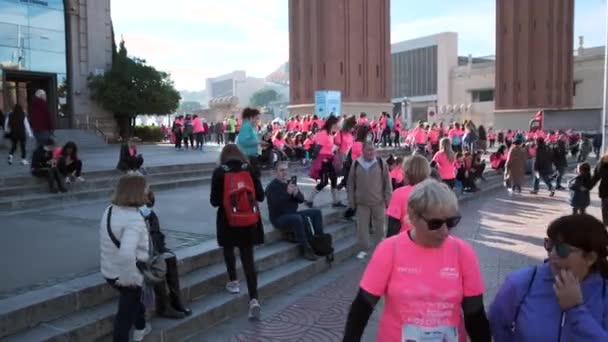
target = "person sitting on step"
x: 168, y: 293
x: 129, y: 159
x: 68, y: 163
x: 44, y: 166
x: 283, y: 200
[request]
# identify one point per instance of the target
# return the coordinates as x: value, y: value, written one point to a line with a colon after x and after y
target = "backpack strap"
x: 523, y: 298
x: 110, y: 234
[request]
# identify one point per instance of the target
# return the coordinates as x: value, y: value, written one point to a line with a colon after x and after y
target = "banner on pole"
x: 328, y: 102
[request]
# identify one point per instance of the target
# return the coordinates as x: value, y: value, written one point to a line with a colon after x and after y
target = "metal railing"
x: 92, y: 127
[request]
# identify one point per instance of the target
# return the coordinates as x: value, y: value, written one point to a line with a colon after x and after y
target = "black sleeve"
x: 299, y: 197
x: 217, y: 190
x: 158, y: 238
x: 359, y: 314
x: 475, y: 320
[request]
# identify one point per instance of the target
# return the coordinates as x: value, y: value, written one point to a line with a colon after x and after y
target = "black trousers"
x: 328, y: 175
x: 178, y: 140
x: 74, y: 168
x: 394, y: 226
x: 248, y: 267
x: 21, y: 142
x: 131, y: 312
x: 52, y: 176
x: 135, y: 162
x: 220, y: 138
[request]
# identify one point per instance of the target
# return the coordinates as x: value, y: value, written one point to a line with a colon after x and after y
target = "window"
x: 485, y: 95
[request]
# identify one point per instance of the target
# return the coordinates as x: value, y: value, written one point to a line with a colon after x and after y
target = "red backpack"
x: 240, y: 202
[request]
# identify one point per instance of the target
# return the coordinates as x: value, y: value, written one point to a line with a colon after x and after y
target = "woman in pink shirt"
x: 415, y: 169
x: 396, y: 172
x: 322, y: 168
x: 429, y: 279
x: 444, y: 161
x: 434, y: 138
x: 198, y: 131
x: 397, y: 130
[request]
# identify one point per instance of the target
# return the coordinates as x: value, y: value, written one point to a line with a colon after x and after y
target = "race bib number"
x: 413, y: 333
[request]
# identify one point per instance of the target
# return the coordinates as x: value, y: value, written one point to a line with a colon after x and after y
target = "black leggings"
x: 21, y: 142
x: 131, y: 311
x: 328, y: 175
x: 67, y: 170
x: 248, y: 267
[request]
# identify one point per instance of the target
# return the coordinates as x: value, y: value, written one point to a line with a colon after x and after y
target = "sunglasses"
x: 435, y: 224
x: 561, y: 249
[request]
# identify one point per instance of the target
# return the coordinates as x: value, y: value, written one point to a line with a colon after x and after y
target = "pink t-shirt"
x: 198, y: 126
x: 308, y: 143
x: 397, y: 174
x: 356, y: 151
x: 423, y: 288
x: 326, y: 141
x: 57, y: 152
x: 444, y: 166
x: 344, y: 141
x: 362, y: 121
x: 278, y: 143
x: 453, y: 132
x: 420, y: 136
x: 397, y: 207
x: 434, y: 136
x: 291, y: 126
x: 305, y: 125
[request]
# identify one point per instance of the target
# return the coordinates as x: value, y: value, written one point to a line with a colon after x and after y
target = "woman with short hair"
x: 429, y: 279
x: 125, y: 242
x: 563, y: 299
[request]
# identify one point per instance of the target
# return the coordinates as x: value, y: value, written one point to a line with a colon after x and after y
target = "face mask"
x: 145, y: 211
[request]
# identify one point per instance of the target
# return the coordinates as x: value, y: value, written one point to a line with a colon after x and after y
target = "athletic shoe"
x: 552, y: 193
x: 233, y: 287
x: 255, y: 310
x: 68, y: 180
x: 362, y: 255
x: 10, y: 159
x: 80, y: 179
x: 24, y: 162
x: 138, y: 335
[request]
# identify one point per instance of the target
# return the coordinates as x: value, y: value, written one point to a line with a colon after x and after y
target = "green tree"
x: 132, y: 87
x: 263, y: 97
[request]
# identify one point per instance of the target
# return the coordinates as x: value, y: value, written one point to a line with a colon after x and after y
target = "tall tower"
x: 534, y: 57
x: 340, y: 45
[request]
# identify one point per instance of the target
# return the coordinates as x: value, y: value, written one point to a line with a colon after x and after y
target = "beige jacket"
x: 369, y: 187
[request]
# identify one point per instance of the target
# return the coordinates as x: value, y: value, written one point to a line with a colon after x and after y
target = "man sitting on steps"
x: 283, y: 199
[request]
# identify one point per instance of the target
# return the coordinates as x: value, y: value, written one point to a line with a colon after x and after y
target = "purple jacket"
x: 540, y: 318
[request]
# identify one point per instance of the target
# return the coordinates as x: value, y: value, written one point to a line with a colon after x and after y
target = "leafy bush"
x: 149, y: 133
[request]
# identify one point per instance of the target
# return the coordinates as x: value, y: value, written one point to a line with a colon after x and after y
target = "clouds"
x: 197, y: 39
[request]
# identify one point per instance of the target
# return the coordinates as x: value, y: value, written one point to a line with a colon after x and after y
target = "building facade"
x: 236, y: 84
x: 340, y: 45
x: 534, y: 42
x: 55, y: 45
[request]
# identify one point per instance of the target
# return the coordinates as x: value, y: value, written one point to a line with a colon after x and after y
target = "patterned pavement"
x: 505, y: 231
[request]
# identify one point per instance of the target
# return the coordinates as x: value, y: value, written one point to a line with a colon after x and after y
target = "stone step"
x: 279, y: 266
x: 32, y: 308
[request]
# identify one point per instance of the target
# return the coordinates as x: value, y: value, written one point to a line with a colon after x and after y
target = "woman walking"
x: 444, y: 161
x: 323, y: 167
x: 515, y: 166
x: 234, y: 168
x: 17, y: 128
x: 124, y: 242
x: 248, y: 140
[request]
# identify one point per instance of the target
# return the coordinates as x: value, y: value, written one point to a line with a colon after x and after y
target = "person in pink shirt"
x: 198, y: 131
x: 430, y: 280
x: 397, y: 130
x: 279, y: 141
x: 444, y: 161
x: 433, y: 135
x: 362, y: 121
x: 323, y: 168
x: 491, y: 137
x: 415, y: 169
x: 455, y: 134
x: 395, y: 166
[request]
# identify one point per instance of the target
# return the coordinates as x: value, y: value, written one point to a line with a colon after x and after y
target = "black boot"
x: 174, y: 288
x: 308, y: 253
x: 163, y: 305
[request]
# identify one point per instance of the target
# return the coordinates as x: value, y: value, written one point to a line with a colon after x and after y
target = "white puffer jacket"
x: 129, y: 227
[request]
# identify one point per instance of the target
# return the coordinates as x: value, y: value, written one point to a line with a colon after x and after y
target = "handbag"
x: 321, y: 244
x: 155, y: 269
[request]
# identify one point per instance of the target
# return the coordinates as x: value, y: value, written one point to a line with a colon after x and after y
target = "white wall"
x: 447, y: 59
x: 589, y: 73
x: 463, y: 81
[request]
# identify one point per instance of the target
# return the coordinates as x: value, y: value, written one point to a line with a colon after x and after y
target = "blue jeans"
x: 298, y: 223
x: 546, y: 179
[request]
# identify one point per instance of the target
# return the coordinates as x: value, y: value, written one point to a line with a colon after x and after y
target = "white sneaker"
x: 68, y: 180
x: 10, y: 159
x: 255, y: 310
x: 233, y: 287
x: 80, y: 179
x: 24, y: 162
x: 138, y: 335
x: 362, y: 255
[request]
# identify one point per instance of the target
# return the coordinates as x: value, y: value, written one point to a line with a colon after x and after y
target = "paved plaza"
x: 506, y: 232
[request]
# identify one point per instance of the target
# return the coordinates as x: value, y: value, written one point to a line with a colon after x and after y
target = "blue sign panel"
x: 328, y: 102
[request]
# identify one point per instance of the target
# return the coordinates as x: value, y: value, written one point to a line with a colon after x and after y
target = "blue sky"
x: 196, y: 39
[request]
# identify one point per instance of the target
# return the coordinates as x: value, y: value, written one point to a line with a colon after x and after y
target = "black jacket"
x: 232, y: 236
x: 40, y: 158
x: 280, y: 202
x: 125, y: 158
x: 560, y: 156
x: 600, y: 174
x: 544, y: 160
